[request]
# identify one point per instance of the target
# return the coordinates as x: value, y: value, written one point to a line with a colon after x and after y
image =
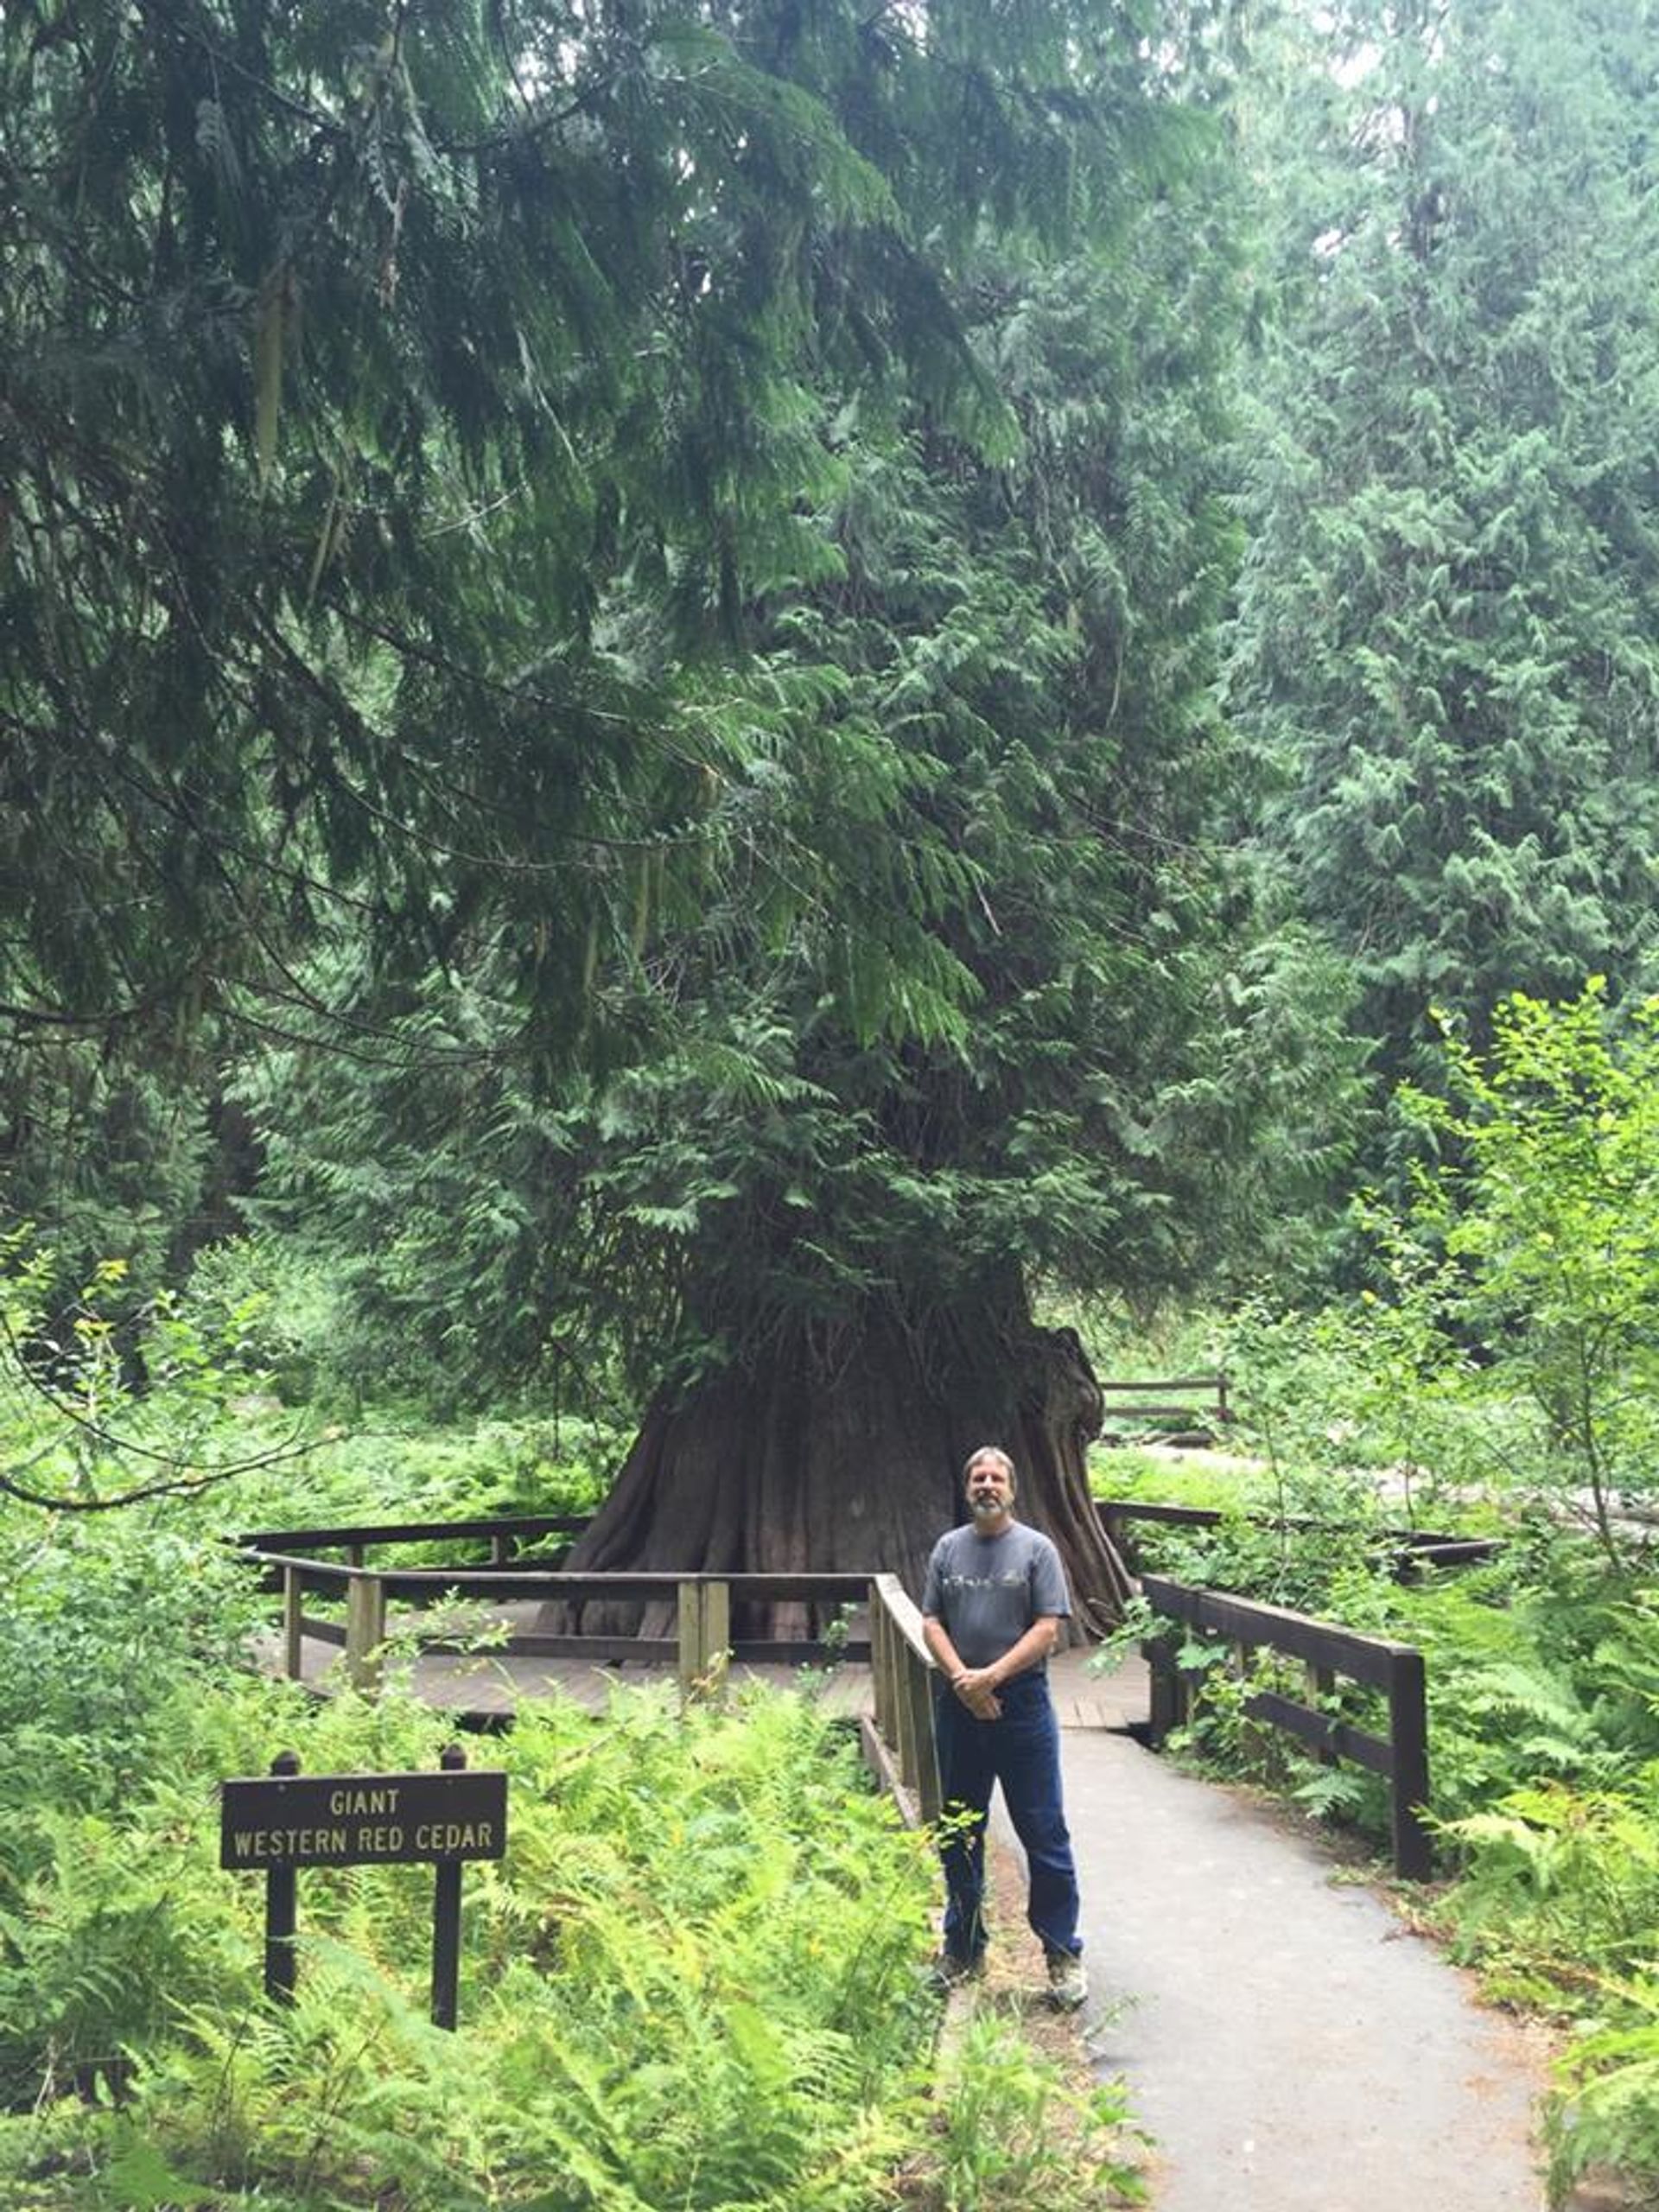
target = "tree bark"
x: 848, y: 1457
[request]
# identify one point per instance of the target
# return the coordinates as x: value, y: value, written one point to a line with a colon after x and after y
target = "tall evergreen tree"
x: 356, y: 361
x: 652, y: 572
x: 397, y: 409
x: 816, y: 1217
x: 1446, y: 646
x: 857, y: 1243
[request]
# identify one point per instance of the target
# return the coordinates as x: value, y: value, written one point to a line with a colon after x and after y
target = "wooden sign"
x: 361, y: 1819
x: 273, y: 1825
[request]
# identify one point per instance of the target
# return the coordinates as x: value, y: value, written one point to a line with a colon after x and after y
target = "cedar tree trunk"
x: 853, y: 1463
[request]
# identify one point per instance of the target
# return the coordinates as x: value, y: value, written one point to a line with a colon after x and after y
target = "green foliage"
x: 1566, y: 1880
x: 1373, y: 1387
x: 789, y: 453
x: 1174, y: 1477
x: 478, y: 377
x: 343, y: 309
x: 105, y: 1159
x: 1608, y: 2115
x: 1012, y: 2134
x: 1025, y: 1019
x: 77, y: 1430
x: 692, y: 1980
x: 455, y: 473
x: 1546, y: 1203
x: 105, y: 1624
x: 1444, y: 654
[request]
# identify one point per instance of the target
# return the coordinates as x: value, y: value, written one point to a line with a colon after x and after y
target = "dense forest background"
x: 704, y: 710
x: 734, y: 739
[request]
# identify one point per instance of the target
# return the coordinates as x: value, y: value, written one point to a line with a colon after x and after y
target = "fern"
x: 1605, y: 2111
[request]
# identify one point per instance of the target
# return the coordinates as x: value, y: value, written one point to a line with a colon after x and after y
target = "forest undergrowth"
x: 708, y: 1936
x: 695, y: 1980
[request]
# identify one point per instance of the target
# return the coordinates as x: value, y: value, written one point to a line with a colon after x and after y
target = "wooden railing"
x: 901, y: 1744
x: 1397, y: 1670
x: 701, y: 1603
x: 905, y: 1670
x: 899, y: 1739
x: 1178, y: 1398
x: 1412, y: 1549
x: 506, y: 1536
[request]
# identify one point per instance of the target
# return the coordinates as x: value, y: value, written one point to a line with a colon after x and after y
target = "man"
x: 992, y: 1608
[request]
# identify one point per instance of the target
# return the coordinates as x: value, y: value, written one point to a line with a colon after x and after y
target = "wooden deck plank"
x: 490, y: 1685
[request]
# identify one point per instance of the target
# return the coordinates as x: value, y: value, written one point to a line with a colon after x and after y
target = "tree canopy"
x: 1445, y: 645
x: 646, y: 581
x: 397, y: 399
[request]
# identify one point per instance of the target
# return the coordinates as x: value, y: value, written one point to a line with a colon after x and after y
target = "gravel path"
x: 1289, y: 2044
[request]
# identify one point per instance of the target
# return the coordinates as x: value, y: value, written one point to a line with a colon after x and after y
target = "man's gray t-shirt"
x: 989, y: 1590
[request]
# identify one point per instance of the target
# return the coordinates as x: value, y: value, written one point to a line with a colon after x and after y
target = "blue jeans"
x: 1022, y: 1751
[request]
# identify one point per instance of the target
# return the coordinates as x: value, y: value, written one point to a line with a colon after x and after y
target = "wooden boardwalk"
x: 488, y: 1687
x: 1290, y: 2048
x: 1288, y: 2043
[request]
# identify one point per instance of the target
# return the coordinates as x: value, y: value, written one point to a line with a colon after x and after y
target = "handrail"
x: 1327, y: 1651
x: 1212, y: 1387
x: 504, y: 1526
x: 702, y: 1601
x: 436, y: 1582
x: 902, y: 1665
x: 904, y: 1669
x: 1416, y: 1548
x: 1216, y: 1379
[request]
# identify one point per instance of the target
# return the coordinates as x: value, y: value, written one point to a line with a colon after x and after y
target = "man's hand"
x: 976, y: 1688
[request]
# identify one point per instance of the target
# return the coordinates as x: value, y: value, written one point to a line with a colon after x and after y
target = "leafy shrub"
x: 109, y: 1621
x: 1606, y: 2112
x: 1561, y: 1884
x: 1535, y: 1240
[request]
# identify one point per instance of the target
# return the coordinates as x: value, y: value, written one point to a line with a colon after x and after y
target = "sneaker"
x: 1068, y: 1984
x: 950, y: 1971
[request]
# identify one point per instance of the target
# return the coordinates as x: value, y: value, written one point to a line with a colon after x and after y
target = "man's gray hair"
x: 991, y: 1451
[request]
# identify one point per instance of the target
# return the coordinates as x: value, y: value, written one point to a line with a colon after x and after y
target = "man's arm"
x: 1034, y: 1647
x: 936, y: 1637
x: 968, y: 1682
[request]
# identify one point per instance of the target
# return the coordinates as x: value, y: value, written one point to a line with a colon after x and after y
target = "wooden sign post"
x: 274, y: 1825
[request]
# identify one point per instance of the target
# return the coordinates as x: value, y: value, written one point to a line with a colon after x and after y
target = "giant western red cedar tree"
x: 642, y: 581
x: 857, y: 1216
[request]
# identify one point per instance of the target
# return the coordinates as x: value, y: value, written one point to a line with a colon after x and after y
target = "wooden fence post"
x: 446, y: 1916
x: 281, y: 1911
x: 1167, y: 1689
x: 292, y: 1625
x: 918, y: 1699
x: 903, y: 1713
x: 705, y: 1627
x: 366, y: 1631
x: 1414, y: 1855
x: 880, y: 1662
